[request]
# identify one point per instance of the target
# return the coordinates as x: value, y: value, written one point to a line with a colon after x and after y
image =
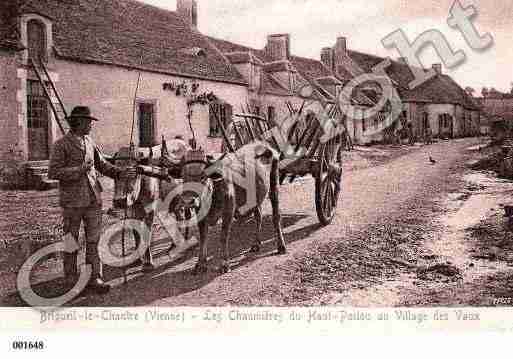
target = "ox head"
x: 194, y: 165
x: 126, y: 190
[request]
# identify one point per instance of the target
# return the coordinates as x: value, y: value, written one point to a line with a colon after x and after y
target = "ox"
x: 223, y: 197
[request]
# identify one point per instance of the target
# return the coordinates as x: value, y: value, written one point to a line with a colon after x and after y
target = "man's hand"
x: 86, y: 167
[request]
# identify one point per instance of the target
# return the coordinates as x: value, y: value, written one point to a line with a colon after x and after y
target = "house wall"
x: 434, y: 110
x: 414, y: 112
x: 350, y: 124
x: 255, y: 76
x: 11, y: 144
x: 476, y: 123
x: 109, y: 91
x: 280, y: 105
x: 370, y: 135
x: 359, y: 136
x: 459, y: 124
x: 466, y: 122
x: 283, y: 114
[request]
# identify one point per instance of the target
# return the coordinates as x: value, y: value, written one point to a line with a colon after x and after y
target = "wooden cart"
x: 306, y: 153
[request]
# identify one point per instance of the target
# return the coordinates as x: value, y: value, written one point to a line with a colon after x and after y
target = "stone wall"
x: 12, y: 136
x: 11, y: 146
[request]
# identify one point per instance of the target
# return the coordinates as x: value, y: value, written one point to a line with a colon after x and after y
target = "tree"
x: 484, y: 91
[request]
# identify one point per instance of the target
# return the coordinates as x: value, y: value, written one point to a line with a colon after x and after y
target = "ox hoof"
x: 201, y: 268
x: 255, y: 248
x: 282, y: 251
x: 225, y: 268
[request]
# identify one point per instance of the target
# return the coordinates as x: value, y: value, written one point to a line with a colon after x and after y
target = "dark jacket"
x: 76, y: 188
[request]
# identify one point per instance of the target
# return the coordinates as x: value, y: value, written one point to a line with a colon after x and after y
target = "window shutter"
x: 213, y: 125
x: 147, y: 131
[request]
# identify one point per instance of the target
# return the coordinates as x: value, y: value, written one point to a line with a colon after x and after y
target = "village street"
x: 388, y: 245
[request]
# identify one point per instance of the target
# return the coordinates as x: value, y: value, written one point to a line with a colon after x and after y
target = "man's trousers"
x: 92, y: 219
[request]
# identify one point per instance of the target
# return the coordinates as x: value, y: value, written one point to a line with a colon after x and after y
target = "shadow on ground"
x: 172, y: 279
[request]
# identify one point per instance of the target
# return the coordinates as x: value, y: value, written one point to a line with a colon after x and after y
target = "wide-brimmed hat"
x: 79, y: 113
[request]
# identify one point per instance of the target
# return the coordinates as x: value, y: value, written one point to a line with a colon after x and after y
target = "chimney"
x: 437, y: 68
x: 402, y: 60
x: 278, y: 47
x: 339, y: 54
x: 340, y: 48
x: 327, y: 58
x: 188, y: 10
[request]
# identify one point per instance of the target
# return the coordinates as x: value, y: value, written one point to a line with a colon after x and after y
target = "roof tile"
x: 132, y: 34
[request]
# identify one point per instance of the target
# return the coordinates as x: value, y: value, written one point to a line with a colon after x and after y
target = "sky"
x: 314, y: 24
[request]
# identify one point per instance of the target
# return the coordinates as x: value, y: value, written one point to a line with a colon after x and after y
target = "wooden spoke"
x: 327, y: 181
x: 328, y: 199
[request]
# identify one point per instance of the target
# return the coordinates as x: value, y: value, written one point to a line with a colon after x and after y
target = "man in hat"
x: 75, y: 162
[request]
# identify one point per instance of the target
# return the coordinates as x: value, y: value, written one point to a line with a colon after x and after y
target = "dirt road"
x: 386, y: 247
x: 375, y: 239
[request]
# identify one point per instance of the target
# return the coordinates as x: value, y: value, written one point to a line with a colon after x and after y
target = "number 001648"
x: 28, y: 345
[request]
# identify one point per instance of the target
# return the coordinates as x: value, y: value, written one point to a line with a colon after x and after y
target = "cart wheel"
x: 328, y: 181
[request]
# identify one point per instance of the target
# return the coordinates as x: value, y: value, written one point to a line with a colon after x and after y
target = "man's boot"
x: 96, y: 284
x: 145, y: 261
x: 70, y: 265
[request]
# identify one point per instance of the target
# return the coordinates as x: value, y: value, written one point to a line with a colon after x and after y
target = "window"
x: 364, y: 125
x: 271, y: 114
x: 37, y: 105
x: 445, y: 120
x: 147, y: 128
x: 37, y: 121
x: 224, y: 113
x: 36, y: 40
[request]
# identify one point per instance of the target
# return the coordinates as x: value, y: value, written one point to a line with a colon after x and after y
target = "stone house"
x: 94, y: 52
x: 126, y: 59
x: 439, y: 103
x: 276, y: 76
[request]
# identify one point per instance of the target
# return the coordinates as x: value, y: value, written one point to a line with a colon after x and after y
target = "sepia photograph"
x: 195, y: 164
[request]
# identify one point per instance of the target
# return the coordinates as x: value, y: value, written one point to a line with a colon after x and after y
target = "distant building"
x: 497, y: 112
x: 439, y: 103
x: 277, y: 77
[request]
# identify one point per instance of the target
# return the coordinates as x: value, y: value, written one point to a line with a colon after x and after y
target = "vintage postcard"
x: 239, y: 166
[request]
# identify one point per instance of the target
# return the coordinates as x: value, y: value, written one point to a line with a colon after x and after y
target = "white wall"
x: 109, y: 91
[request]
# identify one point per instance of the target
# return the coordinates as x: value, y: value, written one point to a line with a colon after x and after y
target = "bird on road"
x: 432, y: 160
